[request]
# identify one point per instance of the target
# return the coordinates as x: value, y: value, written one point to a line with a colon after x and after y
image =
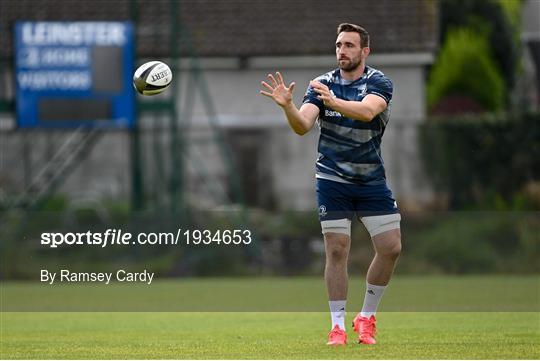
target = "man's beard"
x: 349, y: 65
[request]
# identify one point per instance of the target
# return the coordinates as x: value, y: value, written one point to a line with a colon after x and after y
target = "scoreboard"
x: 70, y: 74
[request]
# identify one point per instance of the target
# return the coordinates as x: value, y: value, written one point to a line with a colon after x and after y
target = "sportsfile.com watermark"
x: 118, y: 237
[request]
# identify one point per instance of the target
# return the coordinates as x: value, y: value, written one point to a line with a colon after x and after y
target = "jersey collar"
x: 342, y: 81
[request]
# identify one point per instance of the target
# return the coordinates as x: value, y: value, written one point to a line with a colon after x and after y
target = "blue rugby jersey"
x: 350, y: 150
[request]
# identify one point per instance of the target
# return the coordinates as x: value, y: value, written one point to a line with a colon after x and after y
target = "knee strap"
x: 337, y: 226
x: 379, y: 224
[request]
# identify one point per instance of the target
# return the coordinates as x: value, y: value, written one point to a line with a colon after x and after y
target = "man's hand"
x: 364, y: 110
x: 277, y: 90
x: 325, y: 94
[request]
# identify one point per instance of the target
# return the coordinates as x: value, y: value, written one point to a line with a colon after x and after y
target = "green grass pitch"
x: 280, y: 335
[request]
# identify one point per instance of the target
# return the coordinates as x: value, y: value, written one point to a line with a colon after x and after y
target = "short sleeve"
x: 311, y: 97
x: 381, y: 86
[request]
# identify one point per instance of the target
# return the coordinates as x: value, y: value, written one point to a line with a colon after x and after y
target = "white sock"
x: 371, y: 300
x: 337, y: 310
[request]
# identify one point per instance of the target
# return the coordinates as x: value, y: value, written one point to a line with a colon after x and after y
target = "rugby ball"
x: 152, y: 78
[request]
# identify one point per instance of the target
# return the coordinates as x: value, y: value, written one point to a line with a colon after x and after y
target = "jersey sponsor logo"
x: 332, y: 113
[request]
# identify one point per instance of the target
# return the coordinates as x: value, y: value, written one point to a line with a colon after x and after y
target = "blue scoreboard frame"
x: 71, y: 74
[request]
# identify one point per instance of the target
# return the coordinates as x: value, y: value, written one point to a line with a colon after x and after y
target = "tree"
x: 485, y: 16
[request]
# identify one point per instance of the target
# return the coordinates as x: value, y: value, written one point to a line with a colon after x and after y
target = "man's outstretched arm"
x: 300, y: 120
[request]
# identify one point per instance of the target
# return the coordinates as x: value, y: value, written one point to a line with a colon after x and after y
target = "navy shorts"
x: 342, y: 200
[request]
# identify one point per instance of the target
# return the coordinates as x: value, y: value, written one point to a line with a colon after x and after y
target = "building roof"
x: 242, y: 27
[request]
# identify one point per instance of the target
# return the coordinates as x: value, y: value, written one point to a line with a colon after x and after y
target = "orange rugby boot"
x: 337, y: 337
x: 366, y: 329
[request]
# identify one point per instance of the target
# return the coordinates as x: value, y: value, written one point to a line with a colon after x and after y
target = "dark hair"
x: 364, y: 35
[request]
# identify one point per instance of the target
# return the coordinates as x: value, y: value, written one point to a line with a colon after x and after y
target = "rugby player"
x: 352, y: 106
